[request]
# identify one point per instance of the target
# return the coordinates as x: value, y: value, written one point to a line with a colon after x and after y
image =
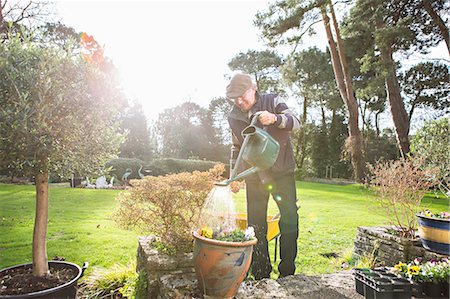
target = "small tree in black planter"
x: 58, y: 115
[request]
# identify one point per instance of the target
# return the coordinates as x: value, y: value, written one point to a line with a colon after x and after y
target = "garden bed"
x: 389, y: 249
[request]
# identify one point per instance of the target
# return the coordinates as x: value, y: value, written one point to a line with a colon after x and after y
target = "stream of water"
x: 219, y: 211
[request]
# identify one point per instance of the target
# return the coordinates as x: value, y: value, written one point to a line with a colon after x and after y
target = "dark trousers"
x: 284, y: 193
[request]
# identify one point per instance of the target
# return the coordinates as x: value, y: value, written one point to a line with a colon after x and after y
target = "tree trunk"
x: 439, y: 22
x: 2, y: 26
x: 377, y: 124
x: 398, y: 111
x: 343, y: 80
x: 40, y: 263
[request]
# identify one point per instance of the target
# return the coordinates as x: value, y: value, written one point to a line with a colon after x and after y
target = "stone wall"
x: 167, y: 276
x: 389, y: 249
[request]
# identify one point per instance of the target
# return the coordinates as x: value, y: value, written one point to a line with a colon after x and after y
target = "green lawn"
x: 81, y: 229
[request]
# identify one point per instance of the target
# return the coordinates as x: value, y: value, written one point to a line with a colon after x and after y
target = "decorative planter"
x: 221, y: 266
x: 434, y: 234
x: 65, y: 291
x: 388, y: 249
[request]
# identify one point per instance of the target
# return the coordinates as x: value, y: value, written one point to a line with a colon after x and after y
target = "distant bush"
x: 159, y: 167
x: 168, y: 166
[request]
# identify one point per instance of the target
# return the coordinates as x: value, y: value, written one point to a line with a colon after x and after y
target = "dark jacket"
x: 280, y: 131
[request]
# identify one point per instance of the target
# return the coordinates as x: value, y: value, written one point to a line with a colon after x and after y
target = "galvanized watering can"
x: 259, y: 149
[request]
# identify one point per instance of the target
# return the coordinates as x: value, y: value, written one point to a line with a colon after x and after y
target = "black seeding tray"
x: 379, y: 283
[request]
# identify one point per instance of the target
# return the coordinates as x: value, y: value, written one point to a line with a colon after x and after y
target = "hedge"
x: 159, y: 166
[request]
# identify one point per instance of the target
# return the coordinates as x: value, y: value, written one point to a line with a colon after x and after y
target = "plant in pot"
x: 58, y: 115
x: 169, y: 208
x: 431, y: 277
x: 222, y: 258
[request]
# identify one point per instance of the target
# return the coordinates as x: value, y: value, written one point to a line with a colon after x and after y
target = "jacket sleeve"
x: 286, y: 120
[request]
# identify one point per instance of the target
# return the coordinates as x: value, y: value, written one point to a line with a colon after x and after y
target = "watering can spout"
x: 239, y: 176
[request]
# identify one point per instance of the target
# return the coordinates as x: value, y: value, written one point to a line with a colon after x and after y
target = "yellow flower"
x: 400, y: 266
x: 206, y: 232
x: 413, y: 270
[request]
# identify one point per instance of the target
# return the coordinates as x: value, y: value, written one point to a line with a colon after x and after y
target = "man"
x: 278, y: 180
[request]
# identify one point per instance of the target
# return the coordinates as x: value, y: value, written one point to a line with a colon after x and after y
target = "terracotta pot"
x: 221, y: 266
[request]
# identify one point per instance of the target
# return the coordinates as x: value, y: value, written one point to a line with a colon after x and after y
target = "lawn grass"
x: 81, y: 229
x: 328, y: 219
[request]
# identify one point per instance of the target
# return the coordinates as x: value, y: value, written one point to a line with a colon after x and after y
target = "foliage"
x: 169, y: 166
x: 187, y: 131
x: 58, y: 115
x: 115, y: 281
x: 400, y: 186
x: 137, y: 144
x: 57, y: 112
x: 228, y: 234
x: 167, y: 206
x: 385, y: 28
x: 433, y: 142
x: 381, y: 147
x: 219, y: 108
x: 327, y: 143
x: 311, y: 73
x: 427, y: 85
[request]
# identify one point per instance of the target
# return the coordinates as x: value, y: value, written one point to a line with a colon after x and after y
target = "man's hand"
x: 235, y: 186
x: 266, y: 118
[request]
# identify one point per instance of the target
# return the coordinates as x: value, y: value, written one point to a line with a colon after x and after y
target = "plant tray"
x: 379, y: 283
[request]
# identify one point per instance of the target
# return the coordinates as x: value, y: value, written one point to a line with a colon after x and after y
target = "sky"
x: 170, y: 52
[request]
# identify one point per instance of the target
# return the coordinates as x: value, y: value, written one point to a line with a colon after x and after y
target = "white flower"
x: 249, y: 233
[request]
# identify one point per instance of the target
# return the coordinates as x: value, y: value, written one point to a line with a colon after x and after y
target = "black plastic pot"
x: 432, y: 290
x: 65, y: 291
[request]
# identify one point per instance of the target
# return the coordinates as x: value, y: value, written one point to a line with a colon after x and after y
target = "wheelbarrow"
x: 273, y: 230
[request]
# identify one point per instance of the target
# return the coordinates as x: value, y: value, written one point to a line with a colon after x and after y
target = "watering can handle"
x: 255, y: 119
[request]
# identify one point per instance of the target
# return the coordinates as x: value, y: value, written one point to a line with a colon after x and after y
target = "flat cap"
x: 239, y: 84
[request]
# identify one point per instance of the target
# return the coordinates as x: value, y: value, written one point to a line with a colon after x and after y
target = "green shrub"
x: 167, y: 206
x: 116, y: 282
x: 168, y: 166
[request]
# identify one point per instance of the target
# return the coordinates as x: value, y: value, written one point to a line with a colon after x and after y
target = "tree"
x: 58, y: 114
x: 395, y: 25
x: 219, y: 109
x: 310, y: 75
x: 186, y: 131
x: 262, y: 65
x: 433, y: 8
x: 286, y: 15
x: 432, y: 143
x: 26, y: 13
x: 137, y: 144
x: 427, y: 85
